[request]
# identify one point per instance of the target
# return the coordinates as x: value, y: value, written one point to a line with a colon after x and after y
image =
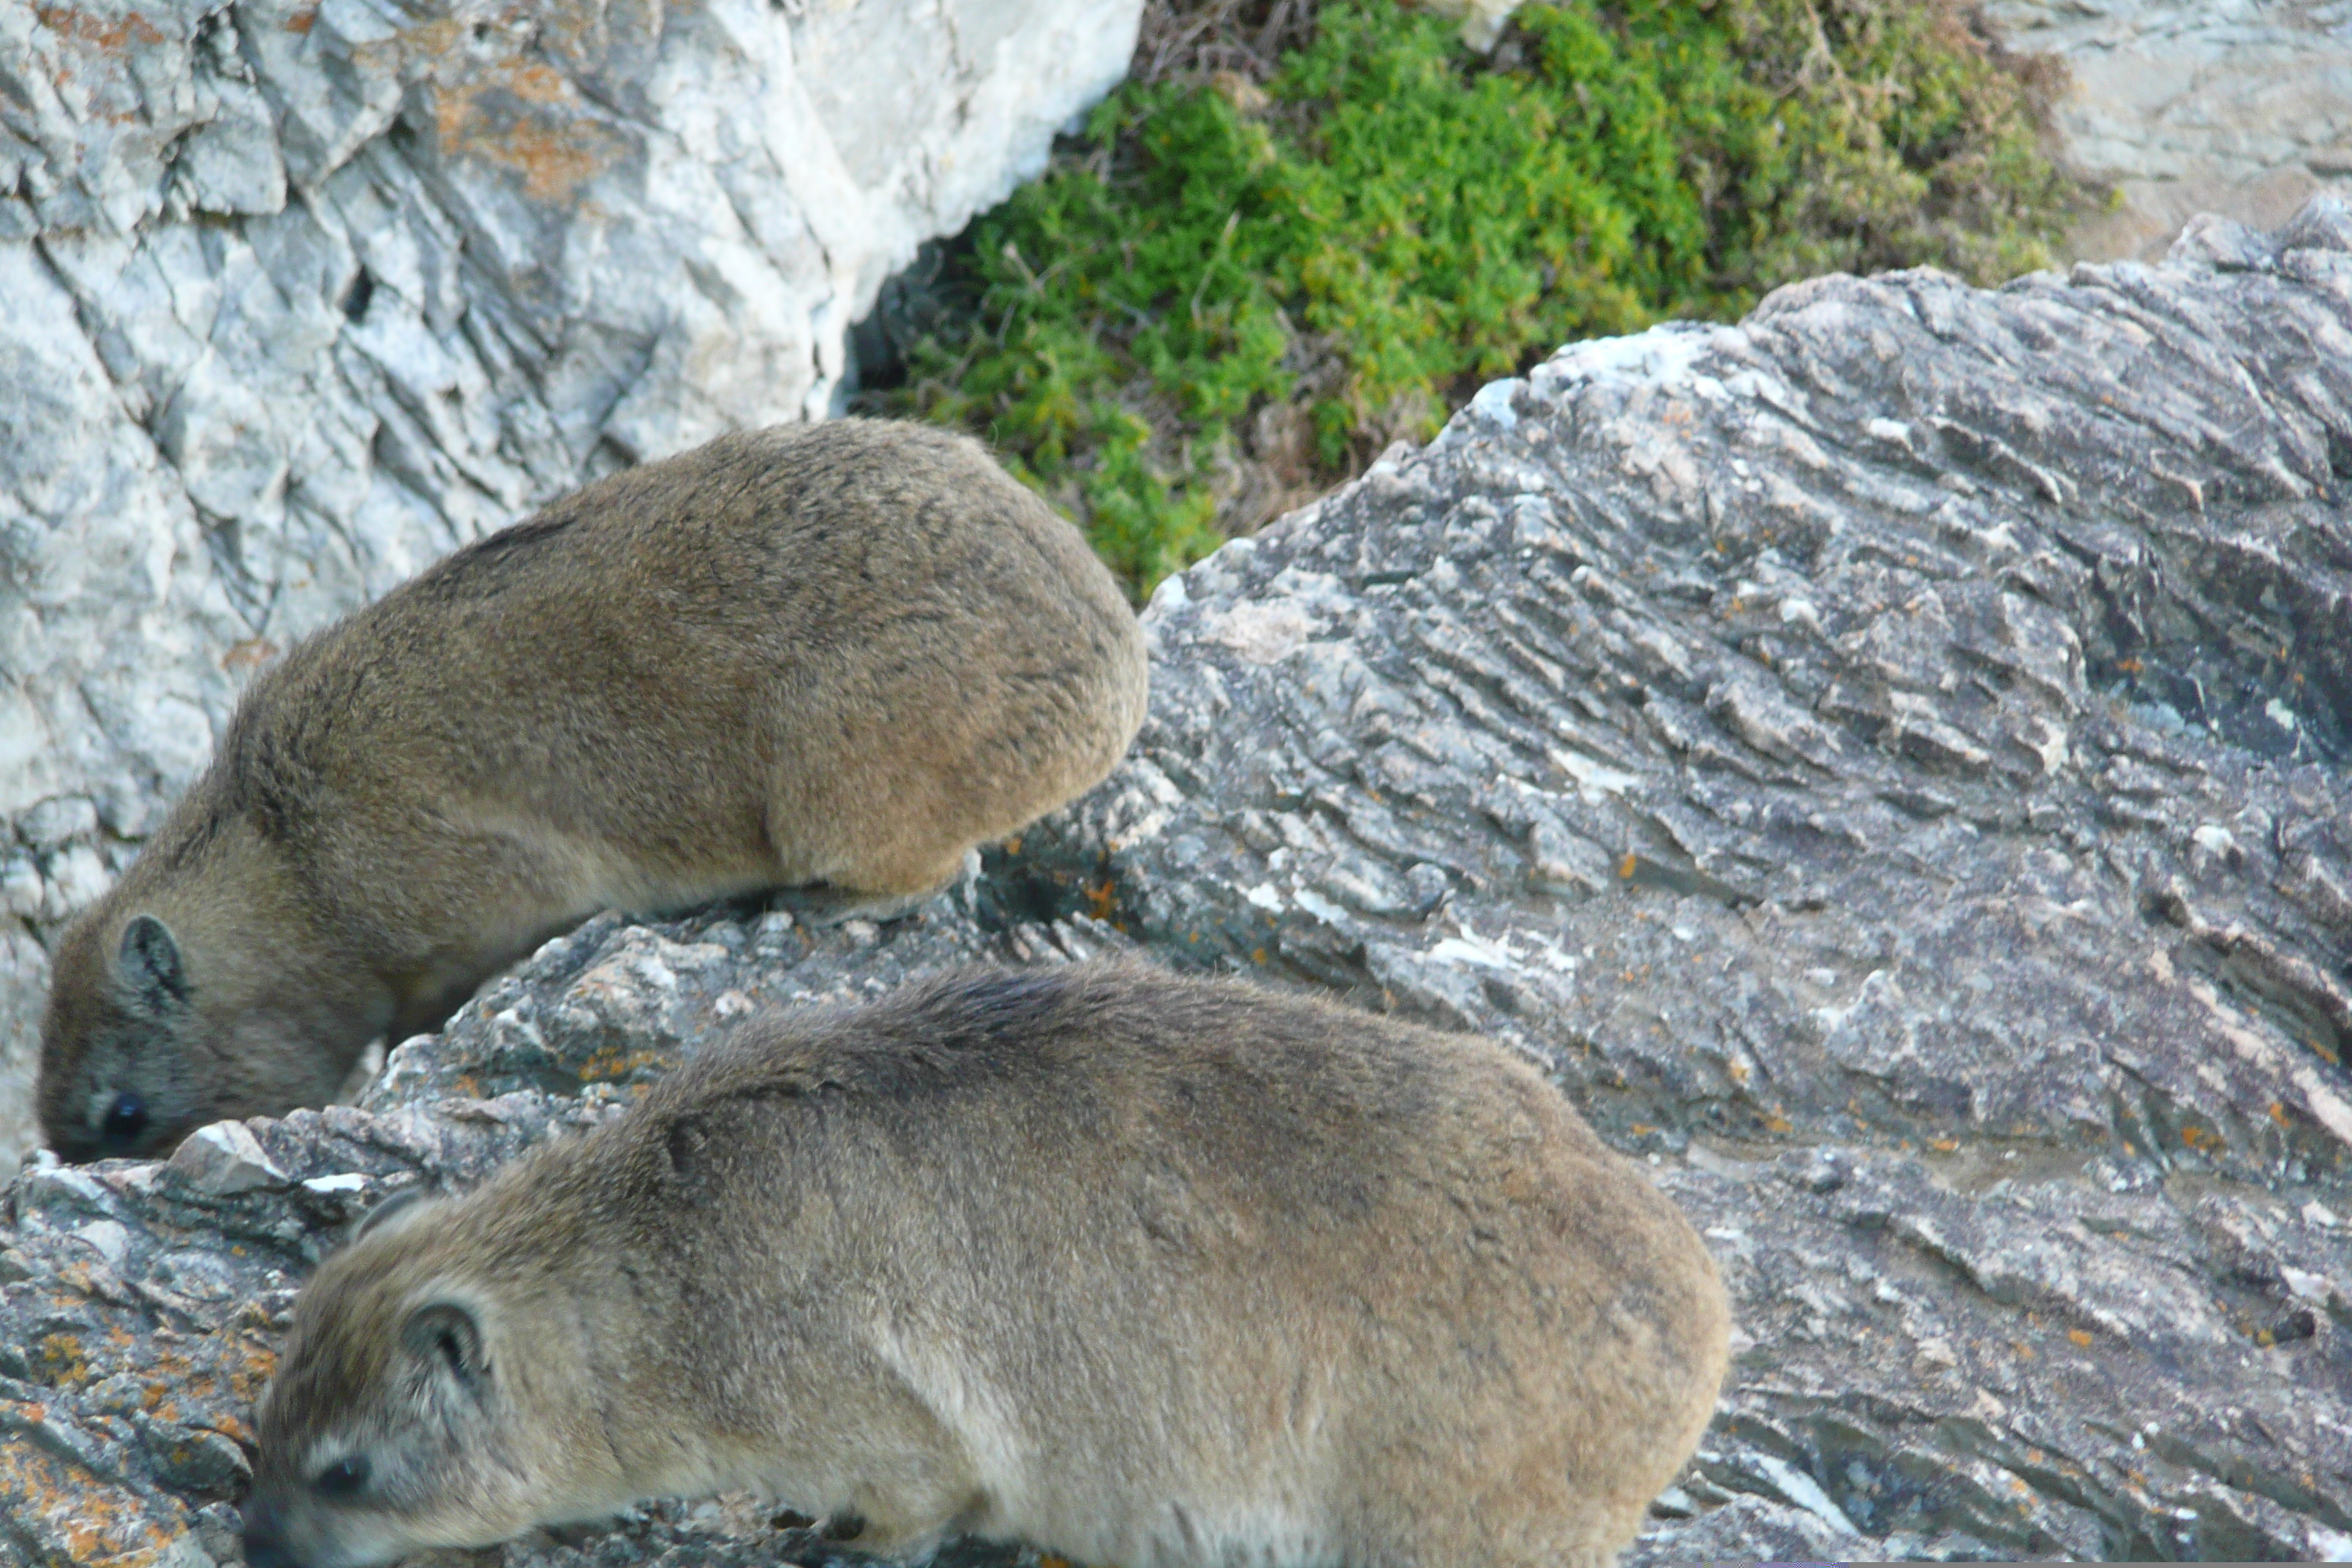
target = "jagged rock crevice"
x: 1885, y: 759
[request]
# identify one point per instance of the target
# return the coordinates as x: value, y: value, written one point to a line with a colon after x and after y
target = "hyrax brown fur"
x: 844, y: 653
x: 1152, y: 1272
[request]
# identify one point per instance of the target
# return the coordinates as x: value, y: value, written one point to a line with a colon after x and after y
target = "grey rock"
x: 303, y: 294
x: 223, y: 1160
x: 2236, y: 107
x: 1751, y: 1528
x: 1886, y: 760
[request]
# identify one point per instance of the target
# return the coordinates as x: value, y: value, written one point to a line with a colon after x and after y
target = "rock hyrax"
x: 1153, y: 1272
x: 843, y: 653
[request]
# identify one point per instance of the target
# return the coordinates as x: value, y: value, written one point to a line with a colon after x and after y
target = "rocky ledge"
x: 1885, y: 759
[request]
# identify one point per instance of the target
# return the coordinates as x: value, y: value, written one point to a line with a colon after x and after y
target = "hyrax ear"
x: 445, y: 1336
x: 150, y: 964
x: 391, y: 1208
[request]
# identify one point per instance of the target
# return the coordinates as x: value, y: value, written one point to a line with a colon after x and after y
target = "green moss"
x: 1394, y: 218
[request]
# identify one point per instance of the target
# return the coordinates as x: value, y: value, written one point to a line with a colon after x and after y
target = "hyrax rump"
x: 1152, y: 1272
x: 844, y: 653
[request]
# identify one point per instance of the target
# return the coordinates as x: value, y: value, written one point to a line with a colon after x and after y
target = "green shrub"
x: 1347, y: 252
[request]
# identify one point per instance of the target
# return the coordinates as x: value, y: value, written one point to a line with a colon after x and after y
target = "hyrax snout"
x: 844, y: 653
x: 1152, y: 1272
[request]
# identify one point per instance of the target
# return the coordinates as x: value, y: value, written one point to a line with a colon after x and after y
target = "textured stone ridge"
x: 303, y: 294
x: 1887, y: 759
x: 2236, y: 107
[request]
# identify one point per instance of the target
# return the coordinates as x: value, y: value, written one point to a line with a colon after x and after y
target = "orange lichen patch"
x: 108, y: 35
x: 233, y: 1428
x: 2080, y: 1336
x: 62, y: 1355
x: 611, y: 1062
x: 535, y: 82
x: 60, y: 1503
x: 210, y: 1392
x: 1099, y: 898
x: 1777, y: 1121
x: 2201, y: 1138
x: 1943, y: 1145
x: 1628, y: 866
x: 256, y: 1363
x: 174, y: 1365
x: 434, y: 40
x: 250, y: 654
x: 527, y: 117
x: 301, y: 21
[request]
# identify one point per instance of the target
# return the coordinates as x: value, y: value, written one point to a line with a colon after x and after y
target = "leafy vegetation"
x: 1234, y: 288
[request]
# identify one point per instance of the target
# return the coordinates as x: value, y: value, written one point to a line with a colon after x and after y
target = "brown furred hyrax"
x: 1150, y: 1271
x: 845, y: 654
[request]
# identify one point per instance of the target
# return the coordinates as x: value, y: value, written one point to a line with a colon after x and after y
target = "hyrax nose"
x: 264, y: 1542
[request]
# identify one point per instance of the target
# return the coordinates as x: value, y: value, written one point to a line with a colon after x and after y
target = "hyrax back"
x: 1154, y: 1272
x: 844, y: 653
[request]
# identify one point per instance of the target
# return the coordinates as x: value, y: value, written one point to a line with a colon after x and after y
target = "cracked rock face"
x: 2236, y: 107
x: 303, y: 294
x: 1885, y: 759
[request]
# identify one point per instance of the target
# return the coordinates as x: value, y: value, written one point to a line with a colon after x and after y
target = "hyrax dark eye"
x: 125, y: 1120
x: 343, y: 1478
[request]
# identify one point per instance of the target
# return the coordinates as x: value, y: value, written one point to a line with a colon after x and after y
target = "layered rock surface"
x: 303, y: 294
x: 2236, y: 107
x: 1885, y: 759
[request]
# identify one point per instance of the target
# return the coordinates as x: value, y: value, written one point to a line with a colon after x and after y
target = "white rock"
x: 2309, y: 1286
x: 56, y: 822
x: 224, y: 1158
x: 108, y: 1237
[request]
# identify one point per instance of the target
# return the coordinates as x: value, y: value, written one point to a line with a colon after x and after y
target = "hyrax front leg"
x: 915, y: 1489
x: 823, y: 905
x: 896, y: 894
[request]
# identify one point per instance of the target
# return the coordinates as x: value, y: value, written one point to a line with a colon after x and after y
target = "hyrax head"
x: 121, y: 1043
x: 148, y: 1039
x: 411, y: 1408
